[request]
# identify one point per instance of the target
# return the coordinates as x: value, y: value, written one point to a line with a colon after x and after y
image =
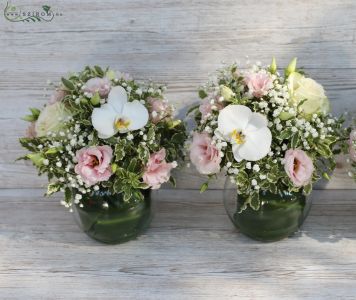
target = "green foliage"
x: 192, y: 109
x: 128, y: 182
x: 33, y: 116
x: 68, y: 84
x: 204, y: 187
x: 52, y: 188
x: 99, y: 71
x: 95, y: 100
x: 202, y: 94
x: 254, y: 200
x: 68, y: 195
x: 294, y: 140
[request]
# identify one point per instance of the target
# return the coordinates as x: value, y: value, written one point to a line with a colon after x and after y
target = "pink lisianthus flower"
x: 57, y: 96
x: 157, y: 170
x: 94, y: 164
x: 204, y: 155
x: 258, y: 83
x: 352, y: 148
x: 206, y: 107
x: 159, y: 109
x: 31, y: 130
x: 97, y: 84
x: 298, y: 166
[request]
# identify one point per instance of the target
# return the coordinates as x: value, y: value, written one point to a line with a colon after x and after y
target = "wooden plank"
x: 190, y: 251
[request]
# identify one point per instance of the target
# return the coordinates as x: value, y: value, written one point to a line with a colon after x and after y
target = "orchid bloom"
x: 247, y: 131
x: 119, y: 115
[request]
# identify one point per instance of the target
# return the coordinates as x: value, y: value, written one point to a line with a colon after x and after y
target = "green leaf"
x: 193, y: 108
x: 323, y: 150
x: 127, y: 193
x: 53, y: 188
x: 330, y: 140
x: 326, y: 175
x: 137, y: 195
x: 202, y: 94
x: 52, y: 151
x: 118, y: 186
x: 242, y: 177
x: 36, y: 158
x: 67, y: 195
x: 85, y: 122
x: 95, y: 100
x: 68, y: 84
x: 120, y: 150
x: 27, y: 143
x: 110, y: 74
x: 114, y: 167
x: 140, y: 185
x: 35, y: 112
x: 285, y: 134
x: 272, y: 177
x: 174, y: 123
x: 150, y: 133
x: 254, y: 201
x: 22, y: 158
x: 178, y: 138
x: 284, y: 116
x: 204, y: 187
x: 173, y: 181
x: 29, y: 118
x: 132, y: 165
x: 99, y: 71
x: 273, y: 188
x: 295, y: 140
x: 46, y: 8
x: 143, y: 152
x: 307, y: 189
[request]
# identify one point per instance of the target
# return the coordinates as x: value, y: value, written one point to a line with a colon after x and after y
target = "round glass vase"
x: 107, y: 218
x: 279, y: 216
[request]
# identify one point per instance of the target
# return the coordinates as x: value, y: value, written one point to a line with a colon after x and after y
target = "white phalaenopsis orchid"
x: 247, y: 131
x: 119, y: 115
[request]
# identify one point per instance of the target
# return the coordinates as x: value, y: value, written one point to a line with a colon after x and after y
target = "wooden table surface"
x: 191, y: 251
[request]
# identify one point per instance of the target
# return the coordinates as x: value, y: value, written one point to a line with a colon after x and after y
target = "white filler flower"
x: 247, y: 131
x: 118, y: 115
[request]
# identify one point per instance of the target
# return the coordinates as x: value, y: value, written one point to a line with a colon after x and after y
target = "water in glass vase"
x: 279, y: 216
x: 109, y: 219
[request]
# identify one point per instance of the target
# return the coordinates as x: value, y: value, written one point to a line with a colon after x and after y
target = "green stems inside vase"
x: 107, y: 218
x: 279, y: 216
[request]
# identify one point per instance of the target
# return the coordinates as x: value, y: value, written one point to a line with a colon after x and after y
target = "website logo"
x: 14, y: 13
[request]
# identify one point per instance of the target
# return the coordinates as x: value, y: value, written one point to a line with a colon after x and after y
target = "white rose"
x: 302, y: 88
x: 51, y: 118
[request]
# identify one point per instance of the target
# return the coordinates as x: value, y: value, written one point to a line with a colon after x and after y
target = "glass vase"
x: 107, y: 218
x: 279, y: 216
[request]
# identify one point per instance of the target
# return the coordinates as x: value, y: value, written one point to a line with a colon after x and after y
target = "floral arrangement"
x: 266, y: 131
x: 352, y: 153
x: 102, y: 130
